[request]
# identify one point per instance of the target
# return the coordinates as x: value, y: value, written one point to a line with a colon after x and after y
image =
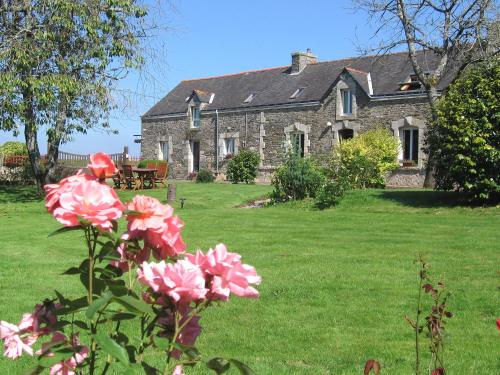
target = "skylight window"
x: 250, y: 98
x: 297, y: 93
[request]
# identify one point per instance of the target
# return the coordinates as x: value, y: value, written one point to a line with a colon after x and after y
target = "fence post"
x: 125, y: 155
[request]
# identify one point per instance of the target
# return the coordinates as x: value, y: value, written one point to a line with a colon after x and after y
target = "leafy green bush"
x: 296, y: 179
x: 13, y: 148
x: 332, y: 191
x: 243, y: 167
x: 204, y: 176
x: 465, y: 140
x: 364, y: 161
x: 144, y: 163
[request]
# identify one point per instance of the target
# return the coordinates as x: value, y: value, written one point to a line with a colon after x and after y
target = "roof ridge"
x: 236, y: 74
x: 287, y: 66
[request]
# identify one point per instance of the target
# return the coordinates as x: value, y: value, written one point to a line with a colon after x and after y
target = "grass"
x: 336, y: 283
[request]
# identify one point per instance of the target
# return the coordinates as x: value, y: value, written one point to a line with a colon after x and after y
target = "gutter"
x: 216, y: 141
x: 240, y: 109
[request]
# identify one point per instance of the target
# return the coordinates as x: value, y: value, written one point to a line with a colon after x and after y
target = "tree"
x: 455, y: 30
x: 58, y: 62
x: 466, y: 142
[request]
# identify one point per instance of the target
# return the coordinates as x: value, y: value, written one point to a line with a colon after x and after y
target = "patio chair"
x: 118, y: 180
x: 129, y: 180
x: 161, y: 173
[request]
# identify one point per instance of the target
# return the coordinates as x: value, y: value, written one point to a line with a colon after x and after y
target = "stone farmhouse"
x: 308, y: 105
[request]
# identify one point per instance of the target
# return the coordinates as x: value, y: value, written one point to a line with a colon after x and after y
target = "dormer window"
x: 297, y: 93
x: 249, y: 98
x: 346, y: 101
x: 195, y: 116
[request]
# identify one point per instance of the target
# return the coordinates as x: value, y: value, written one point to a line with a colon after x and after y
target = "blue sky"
x: 208, y: 38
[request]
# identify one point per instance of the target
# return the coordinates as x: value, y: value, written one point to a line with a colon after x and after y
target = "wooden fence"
x: 70, y: 159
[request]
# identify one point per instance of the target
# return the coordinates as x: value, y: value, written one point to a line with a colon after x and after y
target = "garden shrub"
x: 465, y: 140
x: 144, y: 163
x: 365, y: 161
x: 332, y: 191
x: 298, y: 178
x: 243, y: 167
x: 13, y: 148
x: 205, y: 176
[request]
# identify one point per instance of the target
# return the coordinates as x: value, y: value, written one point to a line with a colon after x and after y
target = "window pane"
x: 414, y: 155
x: 407, y: 143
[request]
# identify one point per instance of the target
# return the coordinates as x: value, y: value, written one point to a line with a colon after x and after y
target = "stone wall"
x: 268, y: 131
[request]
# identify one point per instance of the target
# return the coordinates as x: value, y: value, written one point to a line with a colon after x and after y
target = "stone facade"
x: 269, y: 130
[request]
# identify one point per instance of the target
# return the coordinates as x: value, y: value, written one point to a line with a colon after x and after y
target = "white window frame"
x: 347, y: 93
x: 163, y: 151
x: 195, y: 117
x: 227, y: 146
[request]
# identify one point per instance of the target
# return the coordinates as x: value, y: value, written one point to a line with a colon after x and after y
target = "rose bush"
x: 164, y: 297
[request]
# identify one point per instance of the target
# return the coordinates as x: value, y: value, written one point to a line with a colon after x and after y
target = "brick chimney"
x: 301, y: 59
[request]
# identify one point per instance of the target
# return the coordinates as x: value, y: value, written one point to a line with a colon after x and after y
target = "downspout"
x: 217, y: 141
x: 246, y: 130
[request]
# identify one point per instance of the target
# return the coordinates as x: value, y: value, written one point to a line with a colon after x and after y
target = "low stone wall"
x: 406, y: 177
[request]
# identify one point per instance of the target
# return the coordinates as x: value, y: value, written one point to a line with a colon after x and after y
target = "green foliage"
x: 12, y: 148
x: 465, y: 140
x: 204, y: 176
x: 332, y: 192
x: 144, y: 163
x: 59, y: 61
x: 364, y: 161
x: 243, y: 167
x: 298, y: 178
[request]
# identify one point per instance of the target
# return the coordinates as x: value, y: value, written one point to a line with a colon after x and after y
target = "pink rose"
x: 92, y: 201
x: 182, y: 281
x: 15, y: 340
x: 156, y: 225
x: 66, y: 185
x: 102, y: 166
x: 68, y: 366
x: 178, y: 370
x: 148, y: 214
x: 226, y: 273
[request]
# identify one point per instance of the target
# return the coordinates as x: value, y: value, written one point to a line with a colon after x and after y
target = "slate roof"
x: 275, y: 85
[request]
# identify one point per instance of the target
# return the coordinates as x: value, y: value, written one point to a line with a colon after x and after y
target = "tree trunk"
x: 30, y: 135
x: 432, y: 96
x: 54, y: 141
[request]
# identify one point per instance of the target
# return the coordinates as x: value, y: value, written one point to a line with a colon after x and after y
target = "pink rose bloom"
x: 92, y: 201
x: 178, y: 370
x: 15, y: 340
x: 149, y: 214
x: 227, y: 273
x: 182, y: 281
x: 157, y: 226
x: 102, y: 166
x: 168, y: 243
x: 68, y: 366
x: 66, y: 185
x: 130, y: 258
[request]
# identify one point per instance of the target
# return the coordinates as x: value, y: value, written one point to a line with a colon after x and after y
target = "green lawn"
x: 336, y: 283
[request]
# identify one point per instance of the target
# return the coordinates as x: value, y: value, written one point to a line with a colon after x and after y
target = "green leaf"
x: 64, y: 230
x: 55, y: 357
x: 244, y: 369
x: 219, y: 365
x: 72, y: 271
x: 111, y: 347
x: 134, y: 305
x: 98, y: 304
